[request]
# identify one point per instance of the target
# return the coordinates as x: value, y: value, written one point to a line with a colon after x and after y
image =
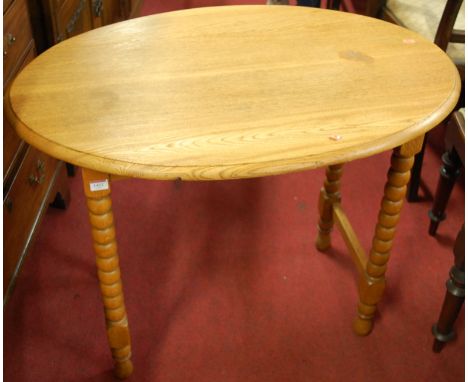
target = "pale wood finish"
x: 107, y: 261
x: 372, y: 281
x: 200, y: 94
x: 350, y: 238
x: 329, y: 194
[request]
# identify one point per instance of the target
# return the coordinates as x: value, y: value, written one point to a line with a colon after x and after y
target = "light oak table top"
x: 232, y: 92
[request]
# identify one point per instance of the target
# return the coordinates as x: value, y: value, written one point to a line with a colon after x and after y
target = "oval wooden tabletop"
x: 232, y: 92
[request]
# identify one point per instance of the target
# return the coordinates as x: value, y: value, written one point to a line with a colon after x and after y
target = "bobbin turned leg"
x: 372, y: 280
x: 329, y: 194
x: 97, y: 191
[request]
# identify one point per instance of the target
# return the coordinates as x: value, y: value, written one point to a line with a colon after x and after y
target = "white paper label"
x: 99, y: 185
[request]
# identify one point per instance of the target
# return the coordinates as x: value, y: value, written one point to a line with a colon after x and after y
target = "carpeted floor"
x: 223, y: 283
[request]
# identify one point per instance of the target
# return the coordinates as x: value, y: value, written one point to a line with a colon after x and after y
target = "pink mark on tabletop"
x: 335, y: 137
x: 409, y: 41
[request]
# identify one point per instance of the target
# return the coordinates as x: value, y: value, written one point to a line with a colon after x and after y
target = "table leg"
x: 329, y: 194
x: 449, y: 172
x: 372, y: 281
x: 97, y: 191
x: 454, y: 297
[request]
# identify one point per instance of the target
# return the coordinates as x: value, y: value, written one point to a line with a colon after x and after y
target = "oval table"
x: 235, y: 92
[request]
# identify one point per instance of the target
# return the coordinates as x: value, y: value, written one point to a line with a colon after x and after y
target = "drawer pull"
x: 40, y: 166
x: 40, y: 177
x: 10, y: 40
x: 9, y: 204
x: 34, y: 179
x: 72, y: 22
x: 97, y: 8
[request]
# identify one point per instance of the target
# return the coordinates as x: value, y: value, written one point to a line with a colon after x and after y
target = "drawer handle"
x: 40, y: 166
x: 39, y: 178
x: 97, y: 7
x: 72, y: 22
x: 10, y: 39
x: 34, y: 179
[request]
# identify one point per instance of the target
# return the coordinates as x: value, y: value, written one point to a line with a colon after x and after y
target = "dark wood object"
x: 454, y: 297
x: 452, y: 162
x: 333, y: 4
x: 31, y: 179
x: 444, y: 35
x: 56, y: 20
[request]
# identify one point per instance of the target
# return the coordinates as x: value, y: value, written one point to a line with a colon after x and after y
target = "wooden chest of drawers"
x: 32, y: 180
x: 57, y: 20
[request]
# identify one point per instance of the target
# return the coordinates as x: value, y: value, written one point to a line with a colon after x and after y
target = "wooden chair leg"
x: 61, y: 193
x: 450, y: 170
x: 97, y: 191
x: 372, y: 281
x: 329, y: 194
x: 70, y: 170
x: 333, y: 4
x: 413, y: 186
x: 454, y: 297
x: 310, y: 3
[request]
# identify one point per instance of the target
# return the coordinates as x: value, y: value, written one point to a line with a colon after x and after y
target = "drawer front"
x: 12, y: 148
x: 112, y: 11
x: 6, y: 4
x: 31, y: 53
x: 12, y: 144
x: 73, y: 18
x: 22, y: 206
x: 58, y: 4
x: 17, y: 36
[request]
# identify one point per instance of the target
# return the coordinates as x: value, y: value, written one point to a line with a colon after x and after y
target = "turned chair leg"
x: 449, y: 172
x: 372, y: 280
x: 329, y: 194
x: 454, y: 297
x: 97, y: 191
x: 415, y: 180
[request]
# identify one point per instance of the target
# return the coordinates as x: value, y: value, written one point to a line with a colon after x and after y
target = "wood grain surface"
x: 232, y: 92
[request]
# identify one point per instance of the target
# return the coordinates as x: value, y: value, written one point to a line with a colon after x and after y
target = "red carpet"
x: 223, y: 283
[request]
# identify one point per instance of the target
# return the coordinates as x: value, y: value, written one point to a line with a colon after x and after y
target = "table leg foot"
x: 454, y: 297
x: 329, y: 194
x: 323, y: 242
x: 124, y: 369
x: 372, y: 280
x: 97, y: 191
x: 363, y: 323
